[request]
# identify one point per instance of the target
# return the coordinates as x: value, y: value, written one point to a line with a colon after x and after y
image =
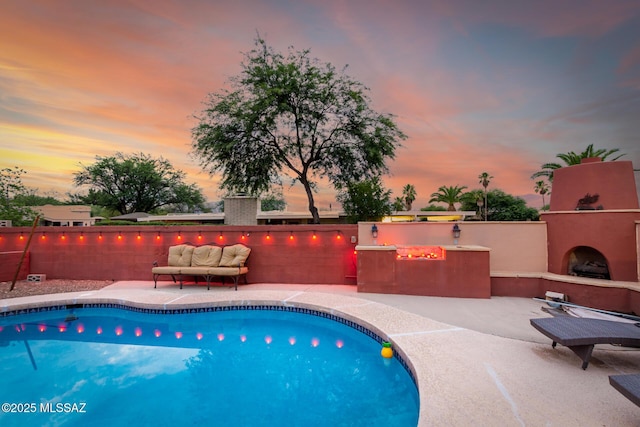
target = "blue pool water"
x: 239, y: 367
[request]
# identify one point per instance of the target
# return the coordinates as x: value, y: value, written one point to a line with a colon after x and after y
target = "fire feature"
x: 585, y: 261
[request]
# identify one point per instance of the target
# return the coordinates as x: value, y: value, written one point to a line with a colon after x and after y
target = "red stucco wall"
x: 462, y: 274
x: 620, y: 299
x: 614, y: 183
x: 127, y: 253
x: 611, y: 233
x: 9, y: 262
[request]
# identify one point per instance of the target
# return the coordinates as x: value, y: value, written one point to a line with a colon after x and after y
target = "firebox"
x: 585, y: 261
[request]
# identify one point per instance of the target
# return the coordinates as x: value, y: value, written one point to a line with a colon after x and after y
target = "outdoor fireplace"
x: 585, y: 261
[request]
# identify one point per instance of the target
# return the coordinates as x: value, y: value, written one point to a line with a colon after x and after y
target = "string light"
x: 139, y: 236
x: 291, y: 235
x: 82, y: 235
x: 179, y: 235
x: 268, y: 236
x: 158, y: 236
x: 314, y: 237
x: 119, y: 235
x: 220, y: 236
x: 63, y: 236
x: 43, y: 236
x: 199, y: 235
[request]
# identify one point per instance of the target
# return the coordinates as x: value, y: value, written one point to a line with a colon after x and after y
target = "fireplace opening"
x: 585, y: 261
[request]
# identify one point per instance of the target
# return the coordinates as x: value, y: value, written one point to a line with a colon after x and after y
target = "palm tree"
x: 572, y: 158
x: 484, y: 178
x: 449, y: 195
x: 398, y: 204
x: 409, y: 194
x: 542, y: 188
x: 473, y: 198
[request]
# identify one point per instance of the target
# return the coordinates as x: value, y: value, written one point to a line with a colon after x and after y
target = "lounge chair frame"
x: 580, y: 335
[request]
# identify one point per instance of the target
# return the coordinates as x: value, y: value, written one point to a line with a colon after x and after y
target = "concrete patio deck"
x: 477, y: 361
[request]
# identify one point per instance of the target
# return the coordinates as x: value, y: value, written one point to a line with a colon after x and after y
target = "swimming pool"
x: 236, y: 365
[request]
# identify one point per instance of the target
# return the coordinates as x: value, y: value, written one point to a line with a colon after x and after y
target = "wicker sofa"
x: 208, y: 261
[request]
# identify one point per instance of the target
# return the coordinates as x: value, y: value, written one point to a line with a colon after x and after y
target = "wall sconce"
x: 374, y: 231
x: 456, y: 233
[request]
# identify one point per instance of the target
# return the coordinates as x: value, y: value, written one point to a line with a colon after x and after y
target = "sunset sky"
x: 500, y: 86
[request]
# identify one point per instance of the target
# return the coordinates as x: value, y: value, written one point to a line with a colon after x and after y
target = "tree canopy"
x: 502, y: 206
x: 292, y: 116
x: 542, y: 188
x: 13, y: 198
x: 409, y: 193
x: 137, y: 183
x: 366, y: 200
x: 449, y: 195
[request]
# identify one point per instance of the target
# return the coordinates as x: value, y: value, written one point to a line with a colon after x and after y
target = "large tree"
x: 449, y: 195
x: 292, y: 116
x: 131, y: 183
x: 502, y: 206
x: 366, y: 200
x: 13, y: 197
x: 571, y: 158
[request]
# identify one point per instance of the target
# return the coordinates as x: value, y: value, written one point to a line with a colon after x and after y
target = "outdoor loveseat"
x: 207, y: 261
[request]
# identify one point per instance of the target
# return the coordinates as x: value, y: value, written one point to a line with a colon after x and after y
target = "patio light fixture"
x: 456, y: 233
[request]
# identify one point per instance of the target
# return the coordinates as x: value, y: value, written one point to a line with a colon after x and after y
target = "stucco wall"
x: 613, y: 182
x: 515, y: 246
x: 128, y: 253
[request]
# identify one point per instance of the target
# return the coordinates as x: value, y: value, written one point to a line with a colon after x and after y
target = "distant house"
x: 66, y: 215
x: 133, y: 217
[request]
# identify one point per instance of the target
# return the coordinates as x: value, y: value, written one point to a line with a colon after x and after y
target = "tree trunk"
x: 312, y: 207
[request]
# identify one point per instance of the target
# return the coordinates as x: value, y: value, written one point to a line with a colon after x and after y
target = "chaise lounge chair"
x: 580, y: 335
x: 628, y: 385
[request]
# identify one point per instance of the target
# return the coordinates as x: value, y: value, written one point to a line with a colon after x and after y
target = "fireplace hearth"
x: 585, y: 261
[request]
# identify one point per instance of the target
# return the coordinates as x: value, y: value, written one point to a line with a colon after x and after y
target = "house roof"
x: 64, y: 212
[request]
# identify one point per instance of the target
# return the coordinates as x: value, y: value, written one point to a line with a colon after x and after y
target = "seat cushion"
x: 227, y: 271
x: 180, y: 255
x: 234, y: 255
x: 206, y: 256
x: 166, y: 270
